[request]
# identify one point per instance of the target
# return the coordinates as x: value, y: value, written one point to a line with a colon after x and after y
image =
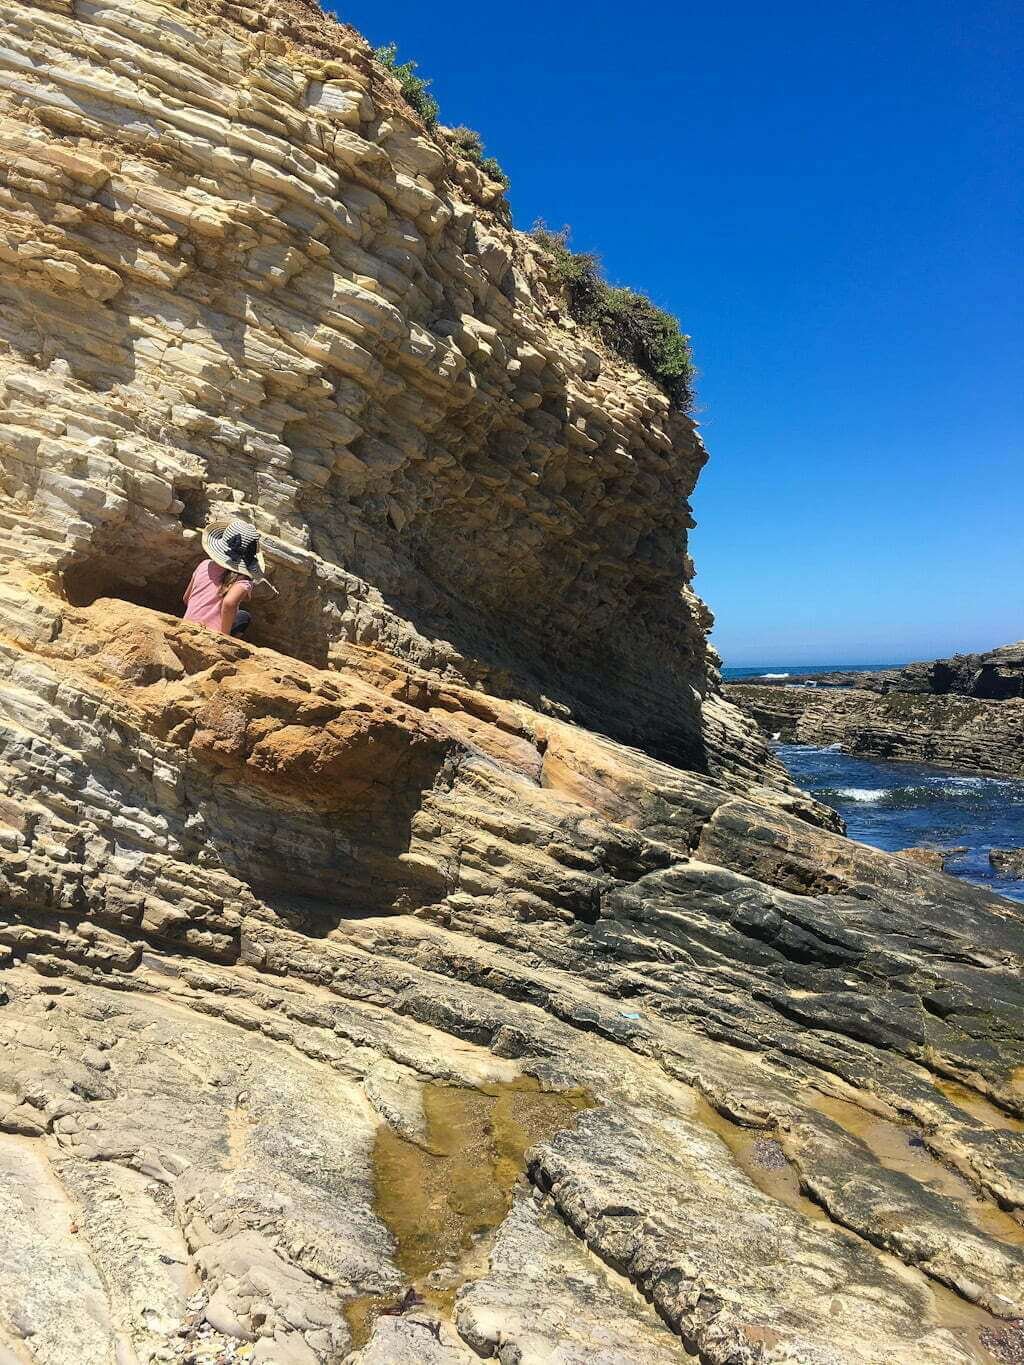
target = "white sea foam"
x: 862, y: 793
x: 959, y: 783
x: 775, y: 675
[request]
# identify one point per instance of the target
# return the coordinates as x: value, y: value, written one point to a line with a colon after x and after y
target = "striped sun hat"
x: 236, y: 548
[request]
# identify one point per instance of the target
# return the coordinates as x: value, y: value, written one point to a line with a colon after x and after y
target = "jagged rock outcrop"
x: 1008, y: 861
x: 908, y: 722
x: 993, y: 676
x: 934, y: 858
x: 270, y: 911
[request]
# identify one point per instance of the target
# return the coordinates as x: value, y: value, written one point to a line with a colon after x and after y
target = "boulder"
x: 1008, y: 862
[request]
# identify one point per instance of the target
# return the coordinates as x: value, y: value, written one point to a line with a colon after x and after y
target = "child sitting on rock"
x: 221, y: 583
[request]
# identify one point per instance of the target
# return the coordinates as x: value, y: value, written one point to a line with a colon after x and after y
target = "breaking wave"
x: 911, y: 805
x: 830, y: 794
x: 963, y: 791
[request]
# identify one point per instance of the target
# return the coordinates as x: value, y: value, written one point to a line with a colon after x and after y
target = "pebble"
x: 1006, y: 1343
x: 767, y: 1154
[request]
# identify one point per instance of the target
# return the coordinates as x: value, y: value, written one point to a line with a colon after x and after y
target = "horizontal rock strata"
x: 236, y: 274
x: 993, y: 676
x: 955, y: 731
x: 258, y: 899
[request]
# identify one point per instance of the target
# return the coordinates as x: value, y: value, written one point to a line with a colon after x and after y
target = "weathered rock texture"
x: 237, y: 274
x: 953, y: 730
x: 965, y: 712
x: 993, y: 676
x: 254, y: 897
x: 1009, y: 861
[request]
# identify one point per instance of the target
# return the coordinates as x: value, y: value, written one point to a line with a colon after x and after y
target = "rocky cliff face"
x: 360, y: 1002
x: 236, y: 273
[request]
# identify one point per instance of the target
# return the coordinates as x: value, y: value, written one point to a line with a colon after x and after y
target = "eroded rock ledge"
x: 255, y: 898
x: 253, y: 907
x: 903, y: 720
x: 238, y: 274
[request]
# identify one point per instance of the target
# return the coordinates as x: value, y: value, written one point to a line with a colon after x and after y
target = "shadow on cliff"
x: 542, y: 607
x: 312, y: 872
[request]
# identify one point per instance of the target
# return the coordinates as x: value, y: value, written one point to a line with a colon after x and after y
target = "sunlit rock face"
x: 466, y: 812
x: 237, y: 275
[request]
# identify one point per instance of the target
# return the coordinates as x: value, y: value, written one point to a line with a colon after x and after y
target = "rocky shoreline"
x: 965, y: 713
x: 996, y: 675
x: 460, y: 884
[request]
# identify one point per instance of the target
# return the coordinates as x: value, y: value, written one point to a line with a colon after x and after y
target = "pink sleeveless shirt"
x: 202, y: 596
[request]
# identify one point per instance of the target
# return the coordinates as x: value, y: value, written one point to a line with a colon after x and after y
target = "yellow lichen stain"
x: 441, y: 1198
x: 892, y: 1146
x: 978, y: 1106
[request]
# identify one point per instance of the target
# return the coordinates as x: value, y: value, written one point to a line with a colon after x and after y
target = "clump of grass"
x: 415, y: 89
x: 628, y: 322
x: 468, y: 143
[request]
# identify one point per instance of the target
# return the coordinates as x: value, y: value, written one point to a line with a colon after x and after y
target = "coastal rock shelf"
x: 461, y: 880
x: 965, y: 713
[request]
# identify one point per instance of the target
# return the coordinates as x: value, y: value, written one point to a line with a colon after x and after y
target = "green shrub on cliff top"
x: 628, y: 322
x: 466, y: 141
x: 415, y: 89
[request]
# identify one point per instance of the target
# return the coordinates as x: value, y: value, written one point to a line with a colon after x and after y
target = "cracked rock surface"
x: 468, y: 812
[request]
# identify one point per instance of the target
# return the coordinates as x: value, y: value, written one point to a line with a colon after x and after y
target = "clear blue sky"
x: 823, y: 194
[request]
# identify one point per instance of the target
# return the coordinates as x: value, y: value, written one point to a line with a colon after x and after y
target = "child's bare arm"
x: 233, y: 599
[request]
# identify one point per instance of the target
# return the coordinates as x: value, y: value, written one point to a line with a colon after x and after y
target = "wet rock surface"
x: 1008, y: 861
x: 935, y: 858
x: 259, y: 902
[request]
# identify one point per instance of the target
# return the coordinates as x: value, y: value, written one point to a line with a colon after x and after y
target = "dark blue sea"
x: 778, y: 672
x: 910, y: 805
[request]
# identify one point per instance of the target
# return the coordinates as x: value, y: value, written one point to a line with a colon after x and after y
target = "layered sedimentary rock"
x: 992, y: 676
x: 1007, y: 860
x: 952, y: 729
x: 273, y: 912
x: 237, y: 273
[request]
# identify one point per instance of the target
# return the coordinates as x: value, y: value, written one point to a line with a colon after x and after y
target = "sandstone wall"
x: 238, y: 277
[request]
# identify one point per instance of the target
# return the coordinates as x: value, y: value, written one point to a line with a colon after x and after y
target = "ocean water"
x: 779, y: 672
x: 907, y: 805
x: 910, y: 805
